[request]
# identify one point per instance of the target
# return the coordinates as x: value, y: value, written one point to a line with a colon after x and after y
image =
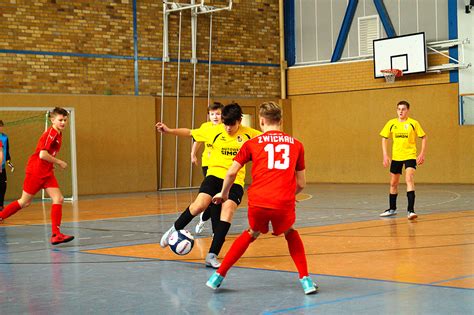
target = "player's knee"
x: 24, y: 203
x: 289, y: 231
x: 58, y: 200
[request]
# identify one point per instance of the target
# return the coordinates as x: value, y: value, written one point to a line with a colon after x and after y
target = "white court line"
x: 128, y: 234
x: 33, y: 242
x: 304, y: 197
x: 442, y: 202
x: 106, y: 236
x: 13, y: 243
x: 84, y: 238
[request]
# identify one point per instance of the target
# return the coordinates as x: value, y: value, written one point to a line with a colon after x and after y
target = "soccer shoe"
x: 412, y: 215
x: 388, y: 213
x: 166, y: 236
x: 200, y: 226
x: 61, y: 238
x: 211, y: 261
x: 215, y: 281
x: 308, y: 285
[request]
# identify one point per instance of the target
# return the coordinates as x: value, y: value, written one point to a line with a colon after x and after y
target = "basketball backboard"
x: 407, y: 53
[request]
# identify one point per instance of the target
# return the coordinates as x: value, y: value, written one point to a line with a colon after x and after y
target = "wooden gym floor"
x: 362, y: 263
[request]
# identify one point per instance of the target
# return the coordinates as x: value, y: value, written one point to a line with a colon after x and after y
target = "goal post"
x: 24, y: 126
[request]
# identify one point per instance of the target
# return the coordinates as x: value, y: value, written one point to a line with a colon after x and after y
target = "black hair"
x: 231, y: 113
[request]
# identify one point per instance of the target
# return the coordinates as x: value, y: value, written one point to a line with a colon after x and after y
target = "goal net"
x: 24, y: 126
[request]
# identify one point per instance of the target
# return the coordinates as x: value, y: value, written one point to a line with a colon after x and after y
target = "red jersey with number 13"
x: 50, y: 141
x: 275, y: 156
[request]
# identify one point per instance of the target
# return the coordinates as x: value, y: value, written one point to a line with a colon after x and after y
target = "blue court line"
x: 144, y: 58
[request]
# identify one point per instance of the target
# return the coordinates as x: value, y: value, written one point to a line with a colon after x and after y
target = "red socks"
x: 296, y: 247
x: 238, y: 248
x: 10, y: 210
x: 56, y: 214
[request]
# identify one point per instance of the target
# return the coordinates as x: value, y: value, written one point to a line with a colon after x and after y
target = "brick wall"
x: 87, y: 47
x: 354, y: 76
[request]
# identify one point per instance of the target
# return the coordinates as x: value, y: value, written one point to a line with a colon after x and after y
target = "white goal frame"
x: 72, y: 134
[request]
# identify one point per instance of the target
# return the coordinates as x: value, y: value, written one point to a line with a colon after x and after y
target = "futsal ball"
x: 181, y: 242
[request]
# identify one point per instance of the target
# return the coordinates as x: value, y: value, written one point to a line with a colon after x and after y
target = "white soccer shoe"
x: 166, y: 236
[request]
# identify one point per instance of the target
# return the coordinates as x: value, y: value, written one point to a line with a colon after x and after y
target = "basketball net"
x: 391, y: 74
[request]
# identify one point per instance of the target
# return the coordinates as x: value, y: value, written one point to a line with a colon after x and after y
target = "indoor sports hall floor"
x: 362, y: 263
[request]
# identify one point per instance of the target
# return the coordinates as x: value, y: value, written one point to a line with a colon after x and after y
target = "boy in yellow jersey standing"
x: 403, y: 131
x: 226, y: 141
x: 214, y: 111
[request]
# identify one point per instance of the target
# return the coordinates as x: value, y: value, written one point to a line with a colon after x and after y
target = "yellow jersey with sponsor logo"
x: 206, y: 154
x: 224, y: 148
x: 403, y: 134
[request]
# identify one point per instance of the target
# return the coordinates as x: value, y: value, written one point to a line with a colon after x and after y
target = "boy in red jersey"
x: 278, y: 174
x: 40, y: 175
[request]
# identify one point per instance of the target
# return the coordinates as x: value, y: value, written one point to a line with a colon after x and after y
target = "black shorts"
x: 212, y: 185
x: 396, y: 166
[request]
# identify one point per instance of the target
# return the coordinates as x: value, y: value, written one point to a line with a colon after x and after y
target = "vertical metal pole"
x: 209, y: 63
x: 194, y: 62
x: 177, y: 104
x: 164, y: 59
x: 72, y: 137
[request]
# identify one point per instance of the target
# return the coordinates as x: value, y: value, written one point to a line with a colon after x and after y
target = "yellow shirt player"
x: 226, y: 142
x: 214, y: 112
x: 224, y: 147
x: 403, y: 131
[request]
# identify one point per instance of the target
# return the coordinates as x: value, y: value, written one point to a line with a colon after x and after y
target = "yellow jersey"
x: 403, y: 135
x: 206, y: 154
x: 224, y: 148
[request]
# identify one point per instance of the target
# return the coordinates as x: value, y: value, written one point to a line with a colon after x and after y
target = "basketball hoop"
x: 391, y: 74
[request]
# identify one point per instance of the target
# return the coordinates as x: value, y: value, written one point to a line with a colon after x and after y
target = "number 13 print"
x: 282, y: 164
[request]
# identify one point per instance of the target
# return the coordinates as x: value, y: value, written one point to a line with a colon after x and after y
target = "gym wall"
x: 116, y: 141
x: 87, y: 47
x: 340, y: 111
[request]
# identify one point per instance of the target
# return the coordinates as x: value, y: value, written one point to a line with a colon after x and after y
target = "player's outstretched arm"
x: 182, y: 132
x: 44, y: 155
x: 228, y: 182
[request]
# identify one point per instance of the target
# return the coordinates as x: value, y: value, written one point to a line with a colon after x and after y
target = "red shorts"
x: 282, y: 220
x: 33, y: 184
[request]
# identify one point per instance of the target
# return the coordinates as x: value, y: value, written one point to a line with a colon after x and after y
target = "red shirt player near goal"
x: 278, y: 174
x: 40, y: 175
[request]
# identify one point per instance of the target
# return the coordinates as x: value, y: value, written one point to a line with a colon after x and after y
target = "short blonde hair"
x: 271, y: 111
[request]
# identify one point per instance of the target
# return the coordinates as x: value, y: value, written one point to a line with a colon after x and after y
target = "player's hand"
x: 12, y: 168
x: 62, y: 164
x: 386, y: 161
x: 194, y: 159
x: 161, y: 127
x: 219, y: 198
x: 420, y: 159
